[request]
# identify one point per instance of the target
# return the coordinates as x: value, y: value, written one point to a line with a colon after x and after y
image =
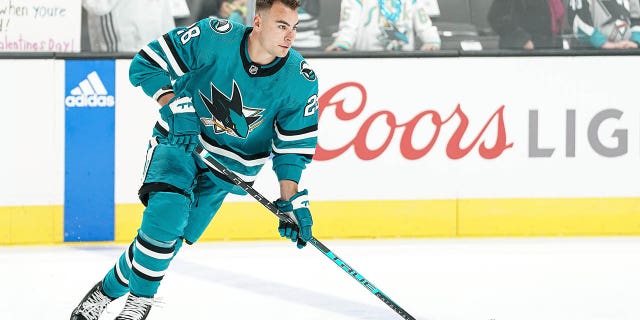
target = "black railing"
x: 351, y: 55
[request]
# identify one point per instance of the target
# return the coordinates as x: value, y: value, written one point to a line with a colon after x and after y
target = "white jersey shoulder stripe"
x: 172, y: 60
x: 153, y: 55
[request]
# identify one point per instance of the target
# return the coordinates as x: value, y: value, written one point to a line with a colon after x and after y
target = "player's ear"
x: 257, y: 21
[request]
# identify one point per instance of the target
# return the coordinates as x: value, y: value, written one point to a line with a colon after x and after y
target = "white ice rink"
x: 448, y: 279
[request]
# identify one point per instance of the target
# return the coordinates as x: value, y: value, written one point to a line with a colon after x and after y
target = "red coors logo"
x: 454, y: 149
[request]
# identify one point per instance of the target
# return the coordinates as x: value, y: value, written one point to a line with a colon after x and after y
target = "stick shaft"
x: 215, y: 165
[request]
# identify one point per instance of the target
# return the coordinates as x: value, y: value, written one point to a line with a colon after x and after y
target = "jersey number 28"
x: 188, y: 34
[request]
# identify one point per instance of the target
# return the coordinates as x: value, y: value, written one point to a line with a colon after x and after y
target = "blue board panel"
x: 89, y: 150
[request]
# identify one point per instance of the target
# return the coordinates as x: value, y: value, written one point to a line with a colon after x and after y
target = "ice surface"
x: 444, y: 279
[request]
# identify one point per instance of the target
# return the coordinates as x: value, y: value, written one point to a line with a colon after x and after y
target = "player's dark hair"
x: 267, y: 4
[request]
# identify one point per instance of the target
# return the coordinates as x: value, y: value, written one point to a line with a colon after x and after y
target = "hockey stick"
x: 215, y: 165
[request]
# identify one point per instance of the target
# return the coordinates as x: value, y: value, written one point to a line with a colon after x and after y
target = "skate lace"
x: 94, y: 305
x: 135, y: 308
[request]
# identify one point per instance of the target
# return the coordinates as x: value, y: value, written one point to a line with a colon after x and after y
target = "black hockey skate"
x: 92, y: 305
x: 136, y: 308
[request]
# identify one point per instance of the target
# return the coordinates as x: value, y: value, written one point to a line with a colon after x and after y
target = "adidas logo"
x: 90, y: 92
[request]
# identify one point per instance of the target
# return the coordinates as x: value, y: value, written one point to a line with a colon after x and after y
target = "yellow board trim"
x: 31, y: 225
x: 350, y: 219
x: 549, y: 217
x: 369, y: 219
x: 427, y: 218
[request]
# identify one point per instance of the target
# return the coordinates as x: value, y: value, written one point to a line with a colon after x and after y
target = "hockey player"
x: 611, y: 24
x: 384, y: 25
x: 244, y: 95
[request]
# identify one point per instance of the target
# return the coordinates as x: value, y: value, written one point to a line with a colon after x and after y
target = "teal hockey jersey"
x: 247, y: 111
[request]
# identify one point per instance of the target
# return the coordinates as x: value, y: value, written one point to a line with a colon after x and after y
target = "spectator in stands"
x: 235, y: 10
x: 126, y: 25
x: 606, y: 24
x: 390, y: 25
x: 527, y: 24
x: 308, y: 34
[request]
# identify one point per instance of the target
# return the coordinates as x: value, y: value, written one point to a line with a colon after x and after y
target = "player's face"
x: 278, y: 29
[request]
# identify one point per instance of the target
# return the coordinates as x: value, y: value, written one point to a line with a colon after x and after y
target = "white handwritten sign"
x: 40, y: 25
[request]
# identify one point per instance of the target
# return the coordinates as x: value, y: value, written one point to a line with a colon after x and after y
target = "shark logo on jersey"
x: 306, y: 71
x: 230, y: 115
x: 393, y: 37
x: 220, y: 26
